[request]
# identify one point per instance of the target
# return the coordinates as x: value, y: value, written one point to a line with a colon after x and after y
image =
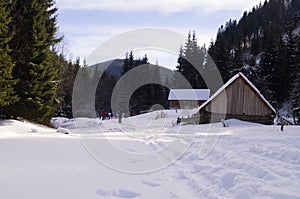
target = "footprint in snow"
x: 120, y: 193
x: 33, y: 130
x: 151, y: 184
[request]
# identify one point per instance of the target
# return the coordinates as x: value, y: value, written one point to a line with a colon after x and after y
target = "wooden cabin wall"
x: 183, y: 103
x: 239, y: 99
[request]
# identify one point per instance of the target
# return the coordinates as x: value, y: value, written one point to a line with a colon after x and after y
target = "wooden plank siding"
x: 238, y: 99
x: 185, y: 103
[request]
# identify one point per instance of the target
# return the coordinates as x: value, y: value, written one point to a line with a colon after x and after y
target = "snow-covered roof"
x: 230, y: 82
x: 189, y: 94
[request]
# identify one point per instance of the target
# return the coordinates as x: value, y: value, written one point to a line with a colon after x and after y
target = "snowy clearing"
x: 248, y: 160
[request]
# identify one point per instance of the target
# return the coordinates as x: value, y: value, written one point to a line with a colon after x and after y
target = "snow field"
x: 248, y: 160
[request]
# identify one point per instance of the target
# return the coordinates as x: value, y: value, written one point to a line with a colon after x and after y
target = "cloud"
x: 166, y: 6
x: 85, y: 28
x: 83, y: 39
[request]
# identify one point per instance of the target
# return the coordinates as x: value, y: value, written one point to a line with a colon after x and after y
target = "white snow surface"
x: 189, y: 94
x: 248, y: 161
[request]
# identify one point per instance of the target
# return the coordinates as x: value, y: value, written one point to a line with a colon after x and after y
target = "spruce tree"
x: 191, y: 62
x: 180, y: 60
x: 295, y: 88
x: 131, y: 61
x: 125, y: 67
x: 267, y: 68
x: 34, y: 25
x: 7, y: 94
x: 221, y: 55
x: 65, y: 88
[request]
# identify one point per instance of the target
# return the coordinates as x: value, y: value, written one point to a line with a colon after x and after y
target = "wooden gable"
x: 239, y: 99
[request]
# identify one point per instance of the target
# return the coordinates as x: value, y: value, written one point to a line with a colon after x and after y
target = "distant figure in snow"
x: 178, y: 120
x: 282, y: 123
x: 103, y: 115
x: 120, y: 118
x: 223, y: 122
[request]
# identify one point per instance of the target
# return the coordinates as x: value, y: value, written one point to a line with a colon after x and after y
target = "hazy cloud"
x: 166, y: 6
x: 83, y: 39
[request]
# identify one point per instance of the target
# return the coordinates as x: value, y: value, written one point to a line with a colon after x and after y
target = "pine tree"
x: 180, y: 60
x: 141, y: 99
x: 125, y: 64
x: 65, y: 88
x: 191, y: 62
x: 295, y: 87
x: 131, y: 61
x: 7, y: 94
x: 220, y: 55
x: 188, y: 63
x: 34, y: 25
x: 83, y: 95
x: 197, y: 69
x: 267, y: 68
x: 145, y: 59
x: 280, y: 82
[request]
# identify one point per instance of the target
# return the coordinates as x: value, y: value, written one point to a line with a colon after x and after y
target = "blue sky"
x: 88, y: 23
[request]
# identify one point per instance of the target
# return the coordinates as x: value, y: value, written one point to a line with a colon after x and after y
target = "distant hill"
x: 143, y: 98
x: 115, y: 68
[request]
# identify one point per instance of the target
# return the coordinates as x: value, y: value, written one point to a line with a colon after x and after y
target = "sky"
x: 86, y: 24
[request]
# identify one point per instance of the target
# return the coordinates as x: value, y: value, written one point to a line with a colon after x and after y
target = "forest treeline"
x: 36, y: 79
x: 264, y: 44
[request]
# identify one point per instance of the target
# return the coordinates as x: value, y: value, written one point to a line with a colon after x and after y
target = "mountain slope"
x: 264, y: 45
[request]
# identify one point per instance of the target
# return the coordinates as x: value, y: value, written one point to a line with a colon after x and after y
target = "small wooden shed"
x: 238, y: 99
x: 187, y: 98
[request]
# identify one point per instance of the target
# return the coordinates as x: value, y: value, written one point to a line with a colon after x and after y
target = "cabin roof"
x: 189, y: 94
x: 229, y: 83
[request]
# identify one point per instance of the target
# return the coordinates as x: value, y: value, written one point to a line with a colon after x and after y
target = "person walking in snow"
x: 103, y: 115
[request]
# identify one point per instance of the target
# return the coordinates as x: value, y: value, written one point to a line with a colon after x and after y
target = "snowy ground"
x: 247, y: 161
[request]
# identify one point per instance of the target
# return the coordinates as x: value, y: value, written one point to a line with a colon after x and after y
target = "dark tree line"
x: 104, y: 91
x: 36, y: 80
x: 263, y: 44
x: 141, y: 99
x: 68, y: 74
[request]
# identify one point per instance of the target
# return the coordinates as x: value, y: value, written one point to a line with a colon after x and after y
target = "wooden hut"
x: 187, y: 98
x: 238, y: 99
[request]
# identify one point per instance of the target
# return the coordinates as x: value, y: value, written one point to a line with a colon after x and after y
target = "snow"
x: 247, y: 160
x: 286, y: 110
x: 189, y: 94
x: 297, y: 31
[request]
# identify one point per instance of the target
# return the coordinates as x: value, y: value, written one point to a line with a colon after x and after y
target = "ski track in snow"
x: 248, y: 161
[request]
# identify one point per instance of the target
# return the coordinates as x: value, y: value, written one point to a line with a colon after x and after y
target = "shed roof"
x: 239, y: 75
x: 189, y: 94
